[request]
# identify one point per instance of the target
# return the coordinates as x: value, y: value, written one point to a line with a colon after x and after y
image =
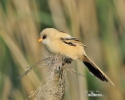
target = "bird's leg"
x: 68, y: 60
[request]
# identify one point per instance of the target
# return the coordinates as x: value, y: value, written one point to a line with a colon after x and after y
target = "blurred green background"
x: 99, y: 24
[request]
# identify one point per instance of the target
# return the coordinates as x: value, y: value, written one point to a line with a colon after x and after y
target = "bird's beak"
x: 40, y: 40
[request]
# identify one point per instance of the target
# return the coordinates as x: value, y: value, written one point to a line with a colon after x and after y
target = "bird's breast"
x: 58, y: 46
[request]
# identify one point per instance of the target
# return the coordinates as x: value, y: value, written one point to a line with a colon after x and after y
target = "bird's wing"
x: 72, y: 41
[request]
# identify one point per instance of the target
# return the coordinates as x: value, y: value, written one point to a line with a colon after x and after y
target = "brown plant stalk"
x: 54, y: 88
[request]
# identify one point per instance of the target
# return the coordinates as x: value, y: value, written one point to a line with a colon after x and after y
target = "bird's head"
x: 47, y: 35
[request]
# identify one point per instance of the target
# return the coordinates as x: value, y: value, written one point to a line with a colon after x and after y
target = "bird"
x: 61, y: 42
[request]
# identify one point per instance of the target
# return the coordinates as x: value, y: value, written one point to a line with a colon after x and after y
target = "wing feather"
x: 72, y: 41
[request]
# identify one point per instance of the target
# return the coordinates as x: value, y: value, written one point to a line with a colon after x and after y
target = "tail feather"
x: 95, y: 70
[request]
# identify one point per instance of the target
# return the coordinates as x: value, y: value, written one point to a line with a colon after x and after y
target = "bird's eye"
x: 44, y: 36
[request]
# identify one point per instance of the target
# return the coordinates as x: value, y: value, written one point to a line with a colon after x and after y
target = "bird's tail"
x: 95, y: 70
